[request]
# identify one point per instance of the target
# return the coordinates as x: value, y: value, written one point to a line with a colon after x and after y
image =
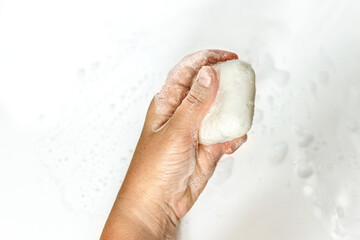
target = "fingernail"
x: 205, y: 77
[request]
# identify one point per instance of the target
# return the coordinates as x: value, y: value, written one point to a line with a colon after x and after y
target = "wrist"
x: 138, y: 216
x: 154, y: 219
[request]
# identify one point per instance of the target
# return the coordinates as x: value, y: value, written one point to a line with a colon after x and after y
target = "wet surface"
x: 71, y: 111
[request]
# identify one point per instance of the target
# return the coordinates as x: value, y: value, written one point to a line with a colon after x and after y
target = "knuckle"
x: 195, y: 97
x: 197, y: 55
x: 188, y: 55
x: 203, y: 52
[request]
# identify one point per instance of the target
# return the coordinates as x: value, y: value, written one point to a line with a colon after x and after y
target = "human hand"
x: 170, y: 168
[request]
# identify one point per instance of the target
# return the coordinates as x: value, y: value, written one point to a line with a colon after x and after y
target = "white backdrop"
x: 76, y: 77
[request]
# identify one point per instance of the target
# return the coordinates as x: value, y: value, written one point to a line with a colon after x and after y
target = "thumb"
x: 197, y: 103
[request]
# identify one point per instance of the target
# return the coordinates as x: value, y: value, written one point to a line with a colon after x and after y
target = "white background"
x: 76, y: 77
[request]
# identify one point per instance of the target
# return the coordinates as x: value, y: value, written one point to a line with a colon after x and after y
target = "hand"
x: 170, y: 168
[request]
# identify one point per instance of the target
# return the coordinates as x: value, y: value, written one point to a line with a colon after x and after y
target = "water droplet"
x: 95, y: 66
x: 304, y: 136
x: 278, y: 152
x: 112, y: 106
x: 304, y: 170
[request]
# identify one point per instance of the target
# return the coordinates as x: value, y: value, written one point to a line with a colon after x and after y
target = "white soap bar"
x: 232, y: 111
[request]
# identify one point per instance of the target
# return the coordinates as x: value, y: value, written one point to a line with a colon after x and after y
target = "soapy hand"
x: 170, y: 168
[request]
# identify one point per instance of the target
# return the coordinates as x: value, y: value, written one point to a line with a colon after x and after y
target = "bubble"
x: 304, y: 170
x: 95, y: 66
x: 304, y: 136
x: 278, y: 152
